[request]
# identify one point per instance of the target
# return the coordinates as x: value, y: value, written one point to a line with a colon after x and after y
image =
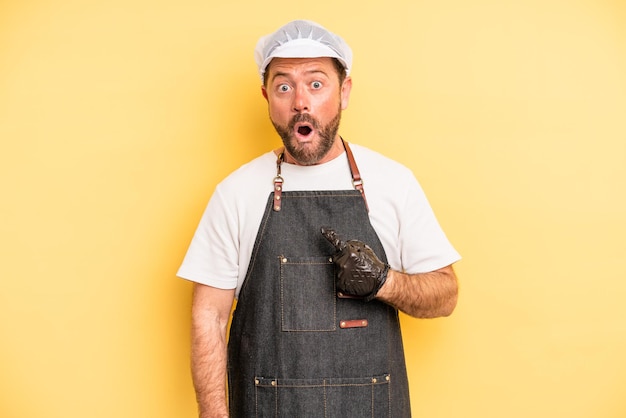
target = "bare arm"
x: 209, y: 319
x: 424, y: 295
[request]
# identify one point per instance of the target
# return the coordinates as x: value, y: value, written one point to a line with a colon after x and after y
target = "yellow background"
x: 118, y: 117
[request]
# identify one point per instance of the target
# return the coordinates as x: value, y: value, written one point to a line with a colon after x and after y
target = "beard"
x: 306, y: 155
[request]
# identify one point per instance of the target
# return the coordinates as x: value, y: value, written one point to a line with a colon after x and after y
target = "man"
x: 321, y: 243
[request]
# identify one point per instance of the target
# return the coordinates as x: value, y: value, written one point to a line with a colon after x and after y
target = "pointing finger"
x: 333, y: 238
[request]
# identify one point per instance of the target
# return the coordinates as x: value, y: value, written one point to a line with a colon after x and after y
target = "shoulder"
x: 250, y: 175
x: 377, y: 167
x: 391, y: 188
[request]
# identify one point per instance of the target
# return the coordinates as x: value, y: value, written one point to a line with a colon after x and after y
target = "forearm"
x: 424, y: 295
x: 208, y: 360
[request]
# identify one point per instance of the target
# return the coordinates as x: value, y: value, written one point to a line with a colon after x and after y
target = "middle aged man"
x: 319, y: 251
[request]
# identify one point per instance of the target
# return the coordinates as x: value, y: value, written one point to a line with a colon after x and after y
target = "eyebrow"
x: 286, y: 75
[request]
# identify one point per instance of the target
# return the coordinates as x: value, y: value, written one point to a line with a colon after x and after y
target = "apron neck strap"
x: 357, y: 181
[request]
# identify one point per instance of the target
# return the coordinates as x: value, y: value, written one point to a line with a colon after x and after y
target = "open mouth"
x: 303, y: 126
x: 305, y: 130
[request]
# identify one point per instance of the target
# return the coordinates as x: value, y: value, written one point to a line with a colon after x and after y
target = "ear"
x: 264, y: 92
x: 346, y: 87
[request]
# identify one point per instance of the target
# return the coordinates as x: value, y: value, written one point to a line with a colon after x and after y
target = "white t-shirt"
x: 220, y: 250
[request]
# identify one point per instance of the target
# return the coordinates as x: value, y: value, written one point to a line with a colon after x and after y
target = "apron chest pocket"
x: 323, y: 398
x: 307, y: 294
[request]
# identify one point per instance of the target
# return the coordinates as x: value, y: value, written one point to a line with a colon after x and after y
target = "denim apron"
x: 296, y: 347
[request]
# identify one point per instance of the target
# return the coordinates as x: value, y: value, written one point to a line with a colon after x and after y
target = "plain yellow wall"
x: 118, y: 117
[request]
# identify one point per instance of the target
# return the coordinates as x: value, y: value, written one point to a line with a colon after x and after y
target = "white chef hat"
x: 301, y: 39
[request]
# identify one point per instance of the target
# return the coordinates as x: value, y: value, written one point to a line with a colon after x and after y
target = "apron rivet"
x: 256, y: 381
x: 273, y: 383
x: 276, y: 208
x: 374, y: 380
x: 387, y: 378
x: 284, y: 260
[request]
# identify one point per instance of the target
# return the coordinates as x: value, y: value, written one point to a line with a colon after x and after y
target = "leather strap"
x: 353, y: 323
x: 357, y: 181
x: 278, y: 183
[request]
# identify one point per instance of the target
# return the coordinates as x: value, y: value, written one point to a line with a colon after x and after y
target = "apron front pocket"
x: 323, y: 398
x: 307, y: 294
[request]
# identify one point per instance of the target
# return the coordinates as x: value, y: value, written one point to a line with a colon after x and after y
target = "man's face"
x: 305, y: 103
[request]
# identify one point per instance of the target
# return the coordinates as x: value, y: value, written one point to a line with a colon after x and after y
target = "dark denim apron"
x: 296, y: 349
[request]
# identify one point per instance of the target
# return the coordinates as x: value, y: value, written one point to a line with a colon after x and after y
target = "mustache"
x: 303, y: 117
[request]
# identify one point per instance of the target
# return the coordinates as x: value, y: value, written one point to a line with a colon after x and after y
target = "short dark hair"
x: 341, y: 71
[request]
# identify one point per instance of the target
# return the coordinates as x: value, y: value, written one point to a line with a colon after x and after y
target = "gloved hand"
x: 360, y: 273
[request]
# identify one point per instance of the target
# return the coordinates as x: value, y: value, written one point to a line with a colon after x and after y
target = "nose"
x: 301, y: 101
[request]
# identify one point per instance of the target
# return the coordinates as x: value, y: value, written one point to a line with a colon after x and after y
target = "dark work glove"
x: 360, y: 272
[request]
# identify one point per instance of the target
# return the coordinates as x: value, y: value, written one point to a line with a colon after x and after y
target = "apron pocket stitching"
x: 302, y: 278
